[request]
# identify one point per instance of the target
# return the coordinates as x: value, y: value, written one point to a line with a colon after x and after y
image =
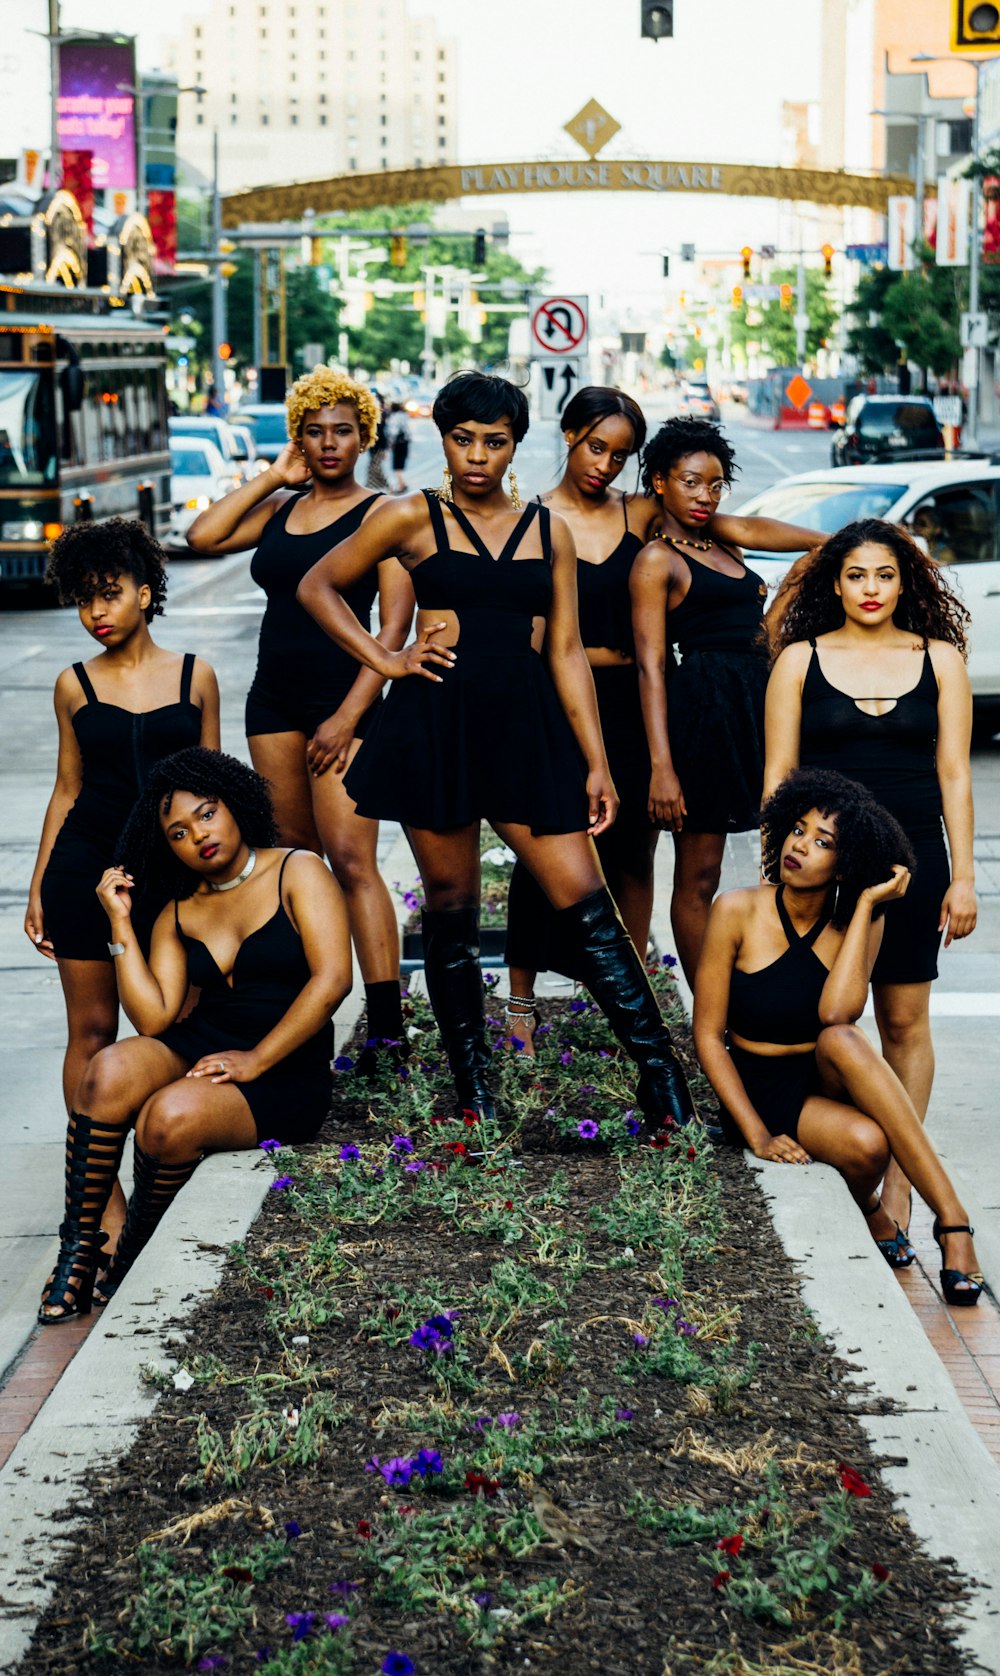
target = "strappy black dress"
x: 779, y: 1003
x: 118, y: 748
x: 289, y: 1102
x: 436, y: 755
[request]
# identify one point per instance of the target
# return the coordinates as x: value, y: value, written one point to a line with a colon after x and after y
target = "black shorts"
x: 268, y: 711
x: 911, y: 938
x: 777, y: 1088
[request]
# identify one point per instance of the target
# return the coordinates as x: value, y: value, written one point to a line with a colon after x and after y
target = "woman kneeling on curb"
x: 262, y: 933
x: 782, y: 981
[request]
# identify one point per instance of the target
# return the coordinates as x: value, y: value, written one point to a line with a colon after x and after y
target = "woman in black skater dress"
x: 262, y: 932
x: 871, y: 680
x: 437, y: 760
x: 783, y: 980
x: 691, y: 586
x: 311, y: 704
x: 117, y: 714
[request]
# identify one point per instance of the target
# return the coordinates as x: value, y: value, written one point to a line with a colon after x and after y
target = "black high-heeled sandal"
x: 960, y: 1289
x: 898, y: 1252
x: 71, y: 1289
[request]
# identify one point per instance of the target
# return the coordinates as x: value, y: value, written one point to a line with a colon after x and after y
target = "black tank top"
x: 294, y: 653
x: 495, y: 599
x: 718, y: 613
x: 118, y: 748
x: 603, y: 597
x: 893, y: 756
x: 780, y: 1003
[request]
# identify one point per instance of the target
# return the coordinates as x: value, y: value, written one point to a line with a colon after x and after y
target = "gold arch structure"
x: 384, y: 187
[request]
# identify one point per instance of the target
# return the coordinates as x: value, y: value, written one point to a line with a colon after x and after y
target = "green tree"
x: 313, y: 315
x: 917, y: 312
x: 774, y: 327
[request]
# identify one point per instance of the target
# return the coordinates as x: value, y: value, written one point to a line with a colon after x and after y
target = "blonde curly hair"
x: 325, y: 387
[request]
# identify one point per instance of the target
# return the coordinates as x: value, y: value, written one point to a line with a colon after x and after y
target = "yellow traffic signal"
x: 745, y: 255
x: 397, y: 250
x: 737, y: 296
x: 225, y: 352
x: 826, y: 252
x: 786, y: 296
x: 974, y: 26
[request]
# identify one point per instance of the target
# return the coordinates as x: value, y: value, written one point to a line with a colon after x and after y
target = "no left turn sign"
x: 558, y: 327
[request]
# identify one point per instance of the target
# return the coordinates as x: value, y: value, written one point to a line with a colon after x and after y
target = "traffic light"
x: 479, y: 248
x: 657, y: 19
x: 745, y: 255
x: 225, y: 352
x: 974, y: 26
x: 666, y: 267
x: 397, y: 250
x: 826, y: 252
x: 737, y: 296
x: 787, y: 298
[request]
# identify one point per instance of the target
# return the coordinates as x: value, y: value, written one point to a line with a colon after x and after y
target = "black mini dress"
x: 715, y: 717
x: 894, y: 757
x: 118, y: 748
x: 436, y: 756
x: 289, y: 1102
x: 303, y: 676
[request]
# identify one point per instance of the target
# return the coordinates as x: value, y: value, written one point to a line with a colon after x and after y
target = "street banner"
x: 902, y: 220
x: 953, y: 218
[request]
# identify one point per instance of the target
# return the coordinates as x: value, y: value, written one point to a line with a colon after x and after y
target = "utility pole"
x: 801, y: 312
x: 218, y: 277
x: 971, y: 436
x: 54, y: 157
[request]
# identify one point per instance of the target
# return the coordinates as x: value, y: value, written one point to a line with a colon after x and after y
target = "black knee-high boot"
x: 386, y: 1039
x: 455, y: 990
x: 616, y: 978
x: 93, y: 1156
x: 155, y: 1187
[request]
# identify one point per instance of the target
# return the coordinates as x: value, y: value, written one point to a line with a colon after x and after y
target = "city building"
x: 299, y: 90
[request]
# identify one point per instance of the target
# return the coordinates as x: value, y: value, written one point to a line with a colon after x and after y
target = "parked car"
x: 269, y: 424
x: 251, y: 463
x: 887, y: 428
x: 206, y: 427
x: 198, y: 476
x: 951, y: 508
x: 419, y: 404
x: 697, y: 401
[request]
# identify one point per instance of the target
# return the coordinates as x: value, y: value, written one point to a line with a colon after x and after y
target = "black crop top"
x: 496, y: 598
x: 780, y: 1003
x: 719, y: 613
x: 605, y: 606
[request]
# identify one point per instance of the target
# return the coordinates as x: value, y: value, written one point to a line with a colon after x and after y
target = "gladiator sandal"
x: 455, y: 990
x: 617, y: 979
x: 93, y: 1156
x: 156, y: 1185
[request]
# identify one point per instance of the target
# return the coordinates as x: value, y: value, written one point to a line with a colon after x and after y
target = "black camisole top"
x: 496, y: 602
x: 892, y: 756
x: 718, y: 613
x: 780, y: 1003
x: 603, y: 597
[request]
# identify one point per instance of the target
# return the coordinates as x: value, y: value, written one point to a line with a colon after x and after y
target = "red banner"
x: 78, y: 178
x: 161, y: 213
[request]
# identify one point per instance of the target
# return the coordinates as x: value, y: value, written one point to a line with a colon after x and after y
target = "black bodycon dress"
x: 302, y: 675
x: 118, y: 748
x: 436, y: 755
x: 289, y: 1102
x: 893, y: 756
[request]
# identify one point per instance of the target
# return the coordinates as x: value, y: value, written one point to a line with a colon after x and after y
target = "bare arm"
x: 846, y: 989
x: 783, y: 715
x: 236, y: 522
x: 768, y: 535
x: 152, y: 993
x: 954, y: 770
x: 574, y: 679
x: 206, y: 693
x: 330, y: 744
x: 69, y: 779
x: 649, y: 588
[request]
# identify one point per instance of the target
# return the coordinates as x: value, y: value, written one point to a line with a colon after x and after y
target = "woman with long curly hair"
x: 117, y: 715
x: 870, y: 679
x: 782, y: 982
x: 310, y: 703
x: 262, y: 933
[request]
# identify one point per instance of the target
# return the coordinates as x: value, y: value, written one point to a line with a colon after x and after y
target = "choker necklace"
x: 688, y: 541
x: 230, y: 884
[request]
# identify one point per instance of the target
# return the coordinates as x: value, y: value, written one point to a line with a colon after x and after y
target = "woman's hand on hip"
x: 115, y: 895
x: 231, y: 1065
x: 958, y: 910
x: 421, y: 656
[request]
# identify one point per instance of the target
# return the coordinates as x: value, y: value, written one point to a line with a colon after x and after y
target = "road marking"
x: 772, y: 460
x: 218, y: 610
x: 956, y: 1003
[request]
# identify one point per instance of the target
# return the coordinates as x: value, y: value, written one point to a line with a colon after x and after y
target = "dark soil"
x: 762, y: 1432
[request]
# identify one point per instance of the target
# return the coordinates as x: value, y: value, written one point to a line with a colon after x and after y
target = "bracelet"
x: 115, y: 949
x: 521, y: 1005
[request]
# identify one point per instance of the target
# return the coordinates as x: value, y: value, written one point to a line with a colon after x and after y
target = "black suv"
x: 880, y: 428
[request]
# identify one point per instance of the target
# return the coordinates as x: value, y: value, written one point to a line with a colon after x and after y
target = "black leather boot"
x: 156, y: 1185
x: 616, y: 978
x: 455, y: 990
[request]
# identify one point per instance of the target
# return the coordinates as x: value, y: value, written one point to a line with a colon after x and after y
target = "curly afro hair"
x: 142, y: 848
x: 870, y: 842
x: 87, y: 556
x: 680, y: 437
x: 326, y: 387
x: 807, y: 603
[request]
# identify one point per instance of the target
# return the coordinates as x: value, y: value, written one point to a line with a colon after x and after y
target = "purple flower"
x: 669, y: 961
x: 578, y: 1006
x: 443, y: 1323
x: 414, y: 1165
x: 335, y: 1620
x: 378, y: 1174
x: 402, y: 1072
x: 397, y: 1664
x: 639, y: 1338
x: 343, y: 1063
x: 402, y: 1144
x: 483, y: 1423
x: 587, y: 1088
x: 411, y: 900
x: 625, y: 1414
x: 263, y: 1655
x: 427, y: 1460
x: 212, y: 1661
x: 425, y: 1337
x: 686, y: 1327
x: 280, y: 1183
x: 344, y: 1588
x: 270, y: 1147
x: 292, y: 1529
x: 567, y: 1057
x: 665, y: 1303
x: 397, y: 1472
x: 633, y: 1125
x: 517, y: 1043
x: 508, y: 1421
x: 300, y: 1623
x: 483, y: 1599
x: 347, y: 1152
x: 587, y: 1129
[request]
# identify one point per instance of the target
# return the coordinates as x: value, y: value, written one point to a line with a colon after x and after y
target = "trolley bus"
x: 83, y: 419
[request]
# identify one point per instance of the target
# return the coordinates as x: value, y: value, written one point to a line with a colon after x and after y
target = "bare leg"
x: 902, y: 1012
x: 697, y: 871
x: 521, y: 1013
x: 281, y: 759
x: 448, y: 864
x: 564, y: 864
x: 628, y: 868
x: 350, y: 842
x: 91, y: 997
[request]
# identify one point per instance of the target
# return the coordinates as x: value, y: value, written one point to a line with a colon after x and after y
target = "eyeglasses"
x: 718, y: 490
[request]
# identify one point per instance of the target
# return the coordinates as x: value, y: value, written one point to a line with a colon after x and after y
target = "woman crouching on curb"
x: 262, y: 932
x: 782, y: 981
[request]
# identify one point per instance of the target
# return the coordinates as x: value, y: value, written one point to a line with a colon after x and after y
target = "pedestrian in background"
x: 378, y: 449
x: 398, y: 434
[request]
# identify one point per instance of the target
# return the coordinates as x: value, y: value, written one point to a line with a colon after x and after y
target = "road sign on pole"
x: 558, y: 383
x: 558, y: 327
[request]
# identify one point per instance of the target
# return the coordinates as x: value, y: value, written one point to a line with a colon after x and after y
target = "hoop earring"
x: 515, y: 495
x: 444, y: 493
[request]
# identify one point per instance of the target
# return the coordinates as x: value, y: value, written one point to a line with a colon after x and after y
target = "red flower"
x: 479, y: 1485
x: 853, y: 1482
x: 457, y: 1147
x: 880, y: 1572
x: 266, y: 1291
x: 364, y: 1530
x: 508, y: 1204
x: 691, y: 1152
x: 730, y: 1544
x: 720, y: 1579
x: 470, y: 1119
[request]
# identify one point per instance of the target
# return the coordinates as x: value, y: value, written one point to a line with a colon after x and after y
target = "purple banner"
x: 94, y: 113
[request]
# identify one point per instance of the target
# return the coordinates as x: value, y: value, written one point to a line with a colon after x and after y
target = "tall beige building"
x: 300, y: 90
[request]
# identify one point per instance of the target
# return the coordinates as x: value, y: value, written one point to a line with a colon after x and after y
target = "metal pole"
x: 54, y: 158
x: 971, y: 436
x: 218, y: 280
x: 918, y: 177
x: 282, y: 310
x: 801, y: 315
x: 140, y: 146
x: 258, y: 301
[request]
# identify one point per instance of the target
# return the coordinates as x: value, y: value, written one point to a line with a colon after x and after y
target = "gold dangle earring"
x: 515, y: 494
x: 444, y: 493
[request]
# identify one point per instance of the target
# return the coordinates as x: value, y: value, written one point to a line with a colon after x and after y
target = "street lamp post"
x: 921, y: 118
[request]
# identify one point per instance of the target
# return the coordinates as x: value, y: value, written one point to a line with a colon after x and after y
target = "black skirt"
x: 716, y: 724
x: 777, y: 1088
x: 911, y: 938
x: 290, y: 1101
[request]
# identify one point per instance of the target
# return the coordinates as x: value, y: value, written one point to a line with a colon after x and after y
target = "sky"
x: 712, y: 93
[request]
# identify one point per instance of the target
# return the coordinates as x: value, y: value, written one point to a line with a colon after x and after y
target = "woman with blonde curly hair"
x: 310, y: 703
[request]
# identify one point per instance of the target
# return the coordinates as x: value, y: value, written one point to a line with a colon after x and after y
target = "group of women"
x: 549, y: 626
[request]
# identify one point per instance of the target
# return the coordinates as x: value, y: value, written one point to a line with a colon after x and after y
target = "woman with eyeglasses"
x: 690, y: 586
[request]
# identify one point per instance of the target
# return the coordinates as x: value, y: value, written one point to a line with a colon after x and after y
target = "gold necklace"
x: 688, y: 541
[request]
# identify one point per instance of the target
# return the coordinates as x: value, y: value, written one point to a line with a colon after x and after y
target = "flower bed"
x: 495, y: 862
x: 461, y: 1406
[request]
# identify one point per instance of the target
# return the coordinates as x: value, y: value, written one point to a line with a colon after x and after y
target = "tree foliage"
x: 917, y: 312
x: 773, y: 327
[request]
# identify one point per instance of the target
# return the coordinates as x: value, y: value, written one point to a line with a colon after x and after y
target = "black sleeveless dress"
x: 302, y: 675
x: 779, y: 1003
x: 289, y: 1102
x: 118, y: 748
x: 715, y: 716
x: 893, y: 757
x: 436, y: 755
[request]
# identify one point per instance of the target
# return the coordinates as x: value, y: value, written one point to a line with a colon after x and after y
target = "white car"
x: 952, y: 509
x: 232, y: 446
x: 198, y: 476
